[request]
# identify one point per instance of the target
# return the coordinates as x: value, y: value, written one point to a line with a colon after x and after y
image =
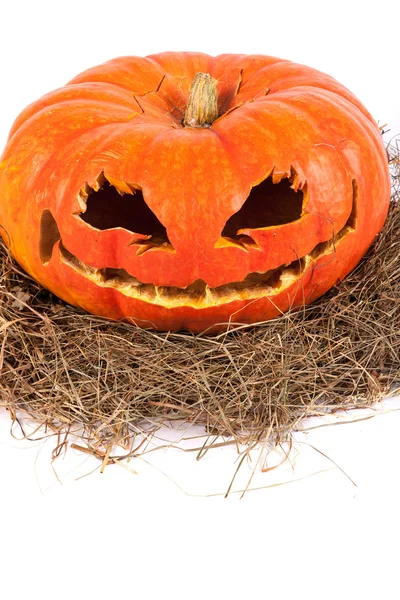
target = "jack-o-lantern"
x: 182, y: 190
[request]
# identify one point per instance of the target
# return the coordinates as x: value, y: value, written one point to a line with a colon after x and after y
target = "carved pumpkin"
x: 136, y: 195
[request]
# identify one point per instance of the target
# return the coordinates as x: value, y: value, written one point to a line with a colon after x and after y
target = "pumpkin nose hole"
x: 108, y: 206
x: 268, y: 204
x: 49, y: 235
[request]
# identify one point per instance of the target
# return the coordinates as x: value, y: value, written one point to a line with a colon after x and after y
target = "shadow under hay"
x: 68, y: 369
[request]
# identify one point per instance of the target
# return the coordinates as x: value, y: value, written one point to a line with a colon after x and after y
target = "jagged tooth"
x: 301, y: 184
x: 249, y: 242
x: 277, y: 176
x: 209, y: 295
x: 132, y: 188
x: 83, y: 195
x: 82, y: 203
x: 142, y: 248
x: 96, y: 185
x: 120, y: 185
x: 296, y: 182
x: 100, y: 275
x: 308, y: 260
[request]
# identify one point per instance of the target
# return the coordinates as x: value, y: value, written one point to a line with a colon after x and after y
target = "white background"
x: 317, y: 527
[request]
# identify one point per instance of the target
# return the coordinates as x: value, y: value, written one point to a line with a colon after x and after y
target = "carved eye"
x: 49, y: 235
x: 268, y: 204
x: 108, y: 207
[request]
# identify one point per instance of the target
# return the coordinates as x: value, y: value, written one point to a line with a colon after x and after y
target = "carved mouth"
x: 198, y: 294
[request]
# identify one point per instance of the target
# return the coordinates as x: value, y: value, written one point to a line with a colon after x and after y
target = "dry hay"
x: 112, y: 381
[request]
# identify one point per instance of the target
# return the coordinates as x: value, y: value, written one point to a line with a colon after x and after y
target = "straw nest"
x: 109, y: 382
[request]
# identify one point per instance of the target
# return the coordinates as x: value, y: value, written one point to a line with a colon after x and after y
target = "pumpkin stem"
x: 202, y: 108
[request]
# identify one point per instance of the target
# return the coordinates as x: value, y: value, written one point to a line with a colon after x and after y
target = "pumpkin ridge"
x: 315, y: 79
x: 64, y: 105
x: 71, y: 139
x: 114, y: 70
x: 55, y: 98
x: 326, y: 96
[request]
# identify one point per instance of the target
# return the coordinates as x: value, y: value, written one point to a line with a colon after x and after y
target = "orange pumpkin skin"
x: 121, y: 123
